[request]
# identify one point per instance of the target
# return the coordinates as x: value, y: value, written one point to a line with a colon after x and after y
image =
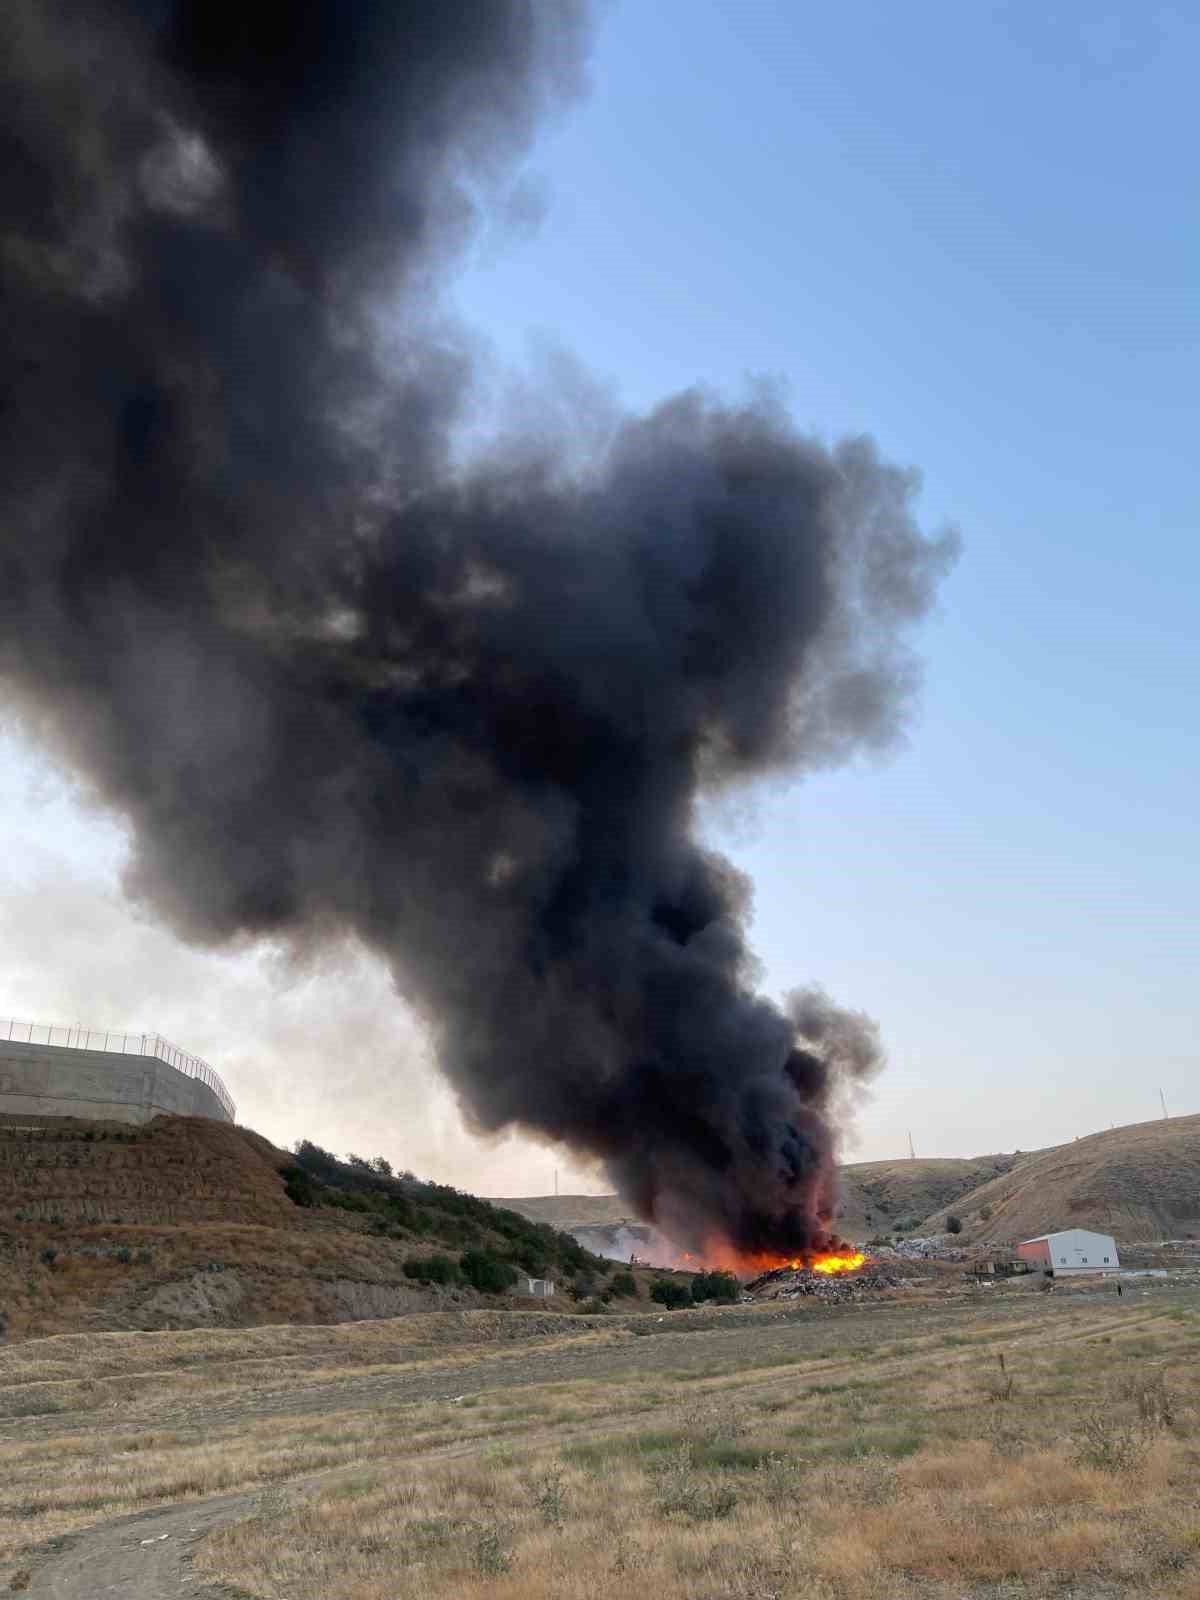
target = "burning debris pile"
x: 348, y: 678
x: 788, y: 1283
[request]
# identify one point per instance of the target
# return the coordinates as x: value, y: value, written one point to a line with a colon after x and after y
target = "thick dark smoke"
x: 340, y: 684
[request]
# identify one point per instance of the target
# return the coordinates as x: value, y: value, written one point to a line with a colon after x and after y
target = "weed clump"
x: 1107, y: 1444
x: 491, y: 1550
x: 680, y: 1490
x: 1156, y: 1404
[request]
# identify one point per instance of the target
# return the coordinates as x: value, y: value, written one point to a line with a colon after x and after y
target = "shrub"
x: 624, y: 1283
x: 48, y: 1256
x: 680, y: 1490
x: 722, y: 1287
x: 985, y: 1213
x: 431, y: 1269
x: 124, y: 1255
x: 298, y: 1186
x: 491, y: 1552
x: 953, y: 1224
x: 486, y: 1272
x: 1108, y: 1445
x: 670, y: 1294
x: 549, y: 1496
x: 1156, y: 1404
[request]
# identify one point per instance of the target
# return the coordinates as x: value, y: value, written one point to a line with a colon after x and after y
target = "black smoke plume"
x: 339, y: 682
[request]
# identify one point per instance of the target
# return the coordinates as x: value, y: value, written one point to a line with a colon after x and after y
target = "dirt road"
x: 146, y: 1556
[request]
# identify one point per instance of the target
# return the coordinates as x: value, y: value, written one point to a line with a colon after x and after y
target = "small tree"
x: 671, y: 1294
x: 625, y: 1285
x: 487, y: 1272
x: 722, y: 1287
x: 382, y: 1166
x: 431, y: 1269
x: 953, y: 1224
x: 299, y: 1186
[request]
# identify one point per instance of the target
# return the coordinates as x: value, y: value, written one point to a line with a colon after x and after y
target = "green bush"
x: 722, y: 1287
x: 486, y: 1272
x: 953, y: 1224
x: 298, y: 1186
x: 432, y: 1269
x: 671, y: 1294
x: 625, y: 1284
x: 436, y: 1211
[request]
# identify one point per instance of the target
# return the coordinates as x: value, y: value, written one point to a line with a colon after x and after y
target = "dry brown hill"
x: 877, y: 1196
x: 1139, y: 1183
x: 172, y: 1170
x: 184, y: 1222
x: 571, y: 1211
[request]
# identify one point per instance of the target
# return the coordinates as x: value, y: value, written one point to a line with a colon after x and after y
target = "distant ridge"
x: 572, y: 1210
x: 1140, y: 1182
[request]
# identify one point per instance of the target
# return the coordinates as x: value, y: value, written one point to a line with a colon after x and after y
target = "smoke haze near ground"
x: 340, y: 682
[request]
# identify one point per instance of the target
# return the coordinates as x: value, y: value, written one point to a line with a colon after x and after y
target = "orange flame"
x: 849, y: 1262
x: 751, y: 1264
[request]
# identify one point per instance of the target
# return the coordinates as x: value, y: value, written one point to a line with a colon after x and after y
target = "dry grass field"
x: 864, y: 1453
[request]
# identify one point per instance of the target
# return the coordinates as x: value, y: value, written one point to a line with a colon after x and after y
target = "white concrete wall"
x: 42, y: 1080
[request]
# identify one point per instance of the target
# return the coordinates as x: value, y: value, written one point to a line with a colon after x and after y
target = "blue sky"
x: 971, y: 232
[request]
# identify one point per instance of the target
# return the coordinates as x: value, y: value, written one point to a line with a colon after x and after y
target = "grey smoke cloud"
x: 340, y: 681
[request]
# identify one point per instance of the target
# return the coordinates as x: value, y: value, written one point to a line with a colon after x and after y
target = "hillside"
x: 1139, y: 1183
x: 572, y: 1211
x: 185, y: 1222
x: 876, y: 1197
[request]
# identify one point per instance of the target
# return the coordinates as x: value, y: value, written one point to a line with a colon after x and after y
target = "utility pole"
x: 1163, y: 1099
x: 912, y: 1154
x: 556, y: 1183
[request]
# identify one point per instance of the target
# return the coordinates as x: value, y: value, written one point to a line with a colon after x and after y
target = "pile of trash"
x: 933, y: 1247
x: 787, y: 1283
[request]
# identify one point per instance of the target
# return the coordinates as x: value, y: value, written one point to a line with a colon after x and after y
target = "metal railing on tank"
x: 75, y: 1036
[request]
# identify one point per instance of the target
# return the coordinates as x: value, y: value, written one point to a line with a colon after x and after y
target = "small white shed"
x: 1074, y: 1250
x: 539, y: 1288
